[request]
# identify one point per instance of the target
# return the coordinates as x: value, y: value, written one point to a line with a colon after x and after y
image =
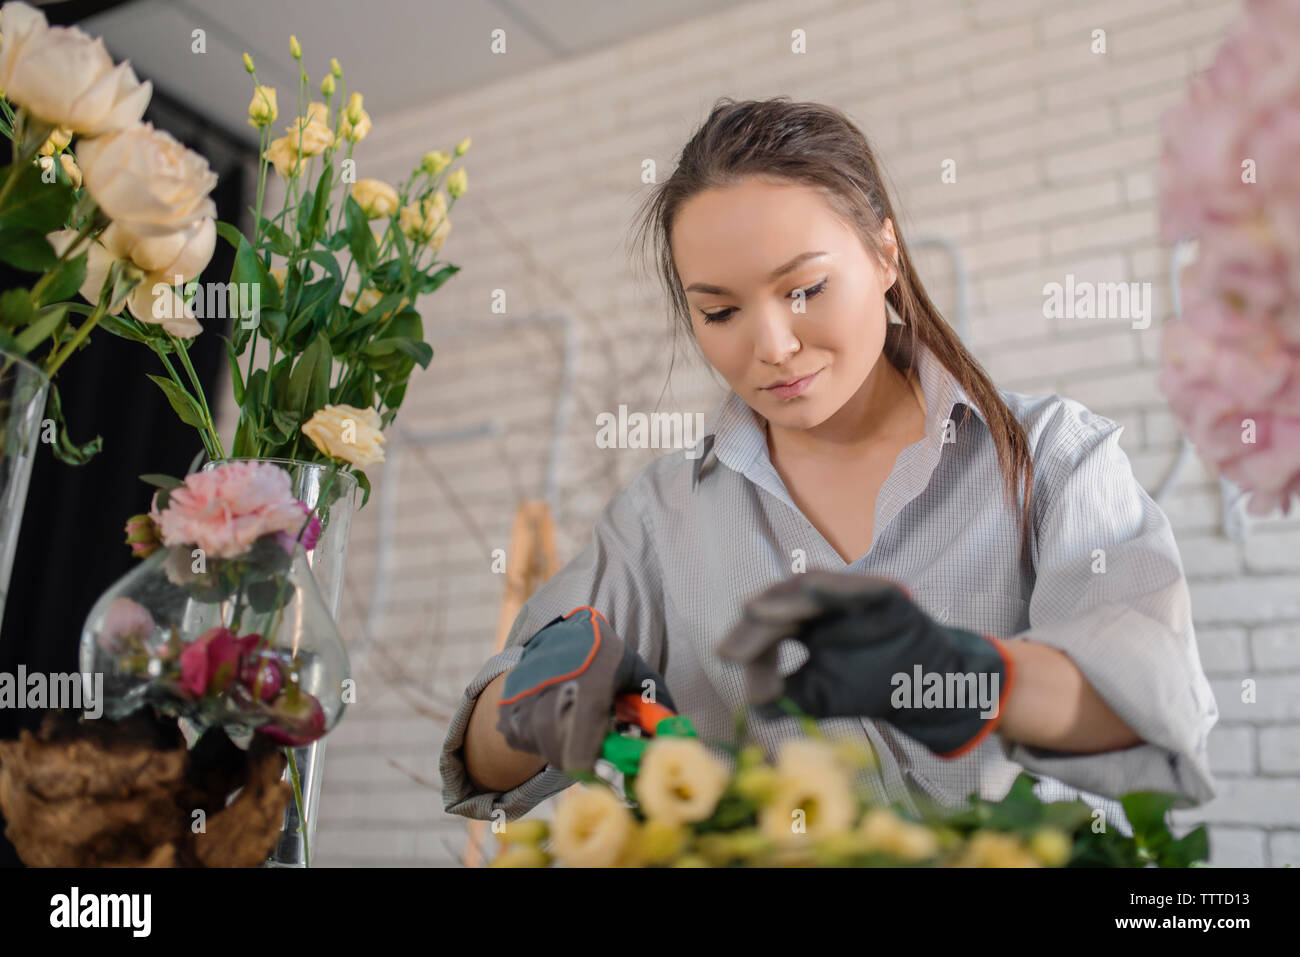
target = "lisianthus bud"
x: 294, y: 49
x: 335, y: 69
x: 248, y: 63
x: 142, y: 535
x: 262, y: 109
x: 356, y: 132
x: 57, y: 140
x: 354, y: 108
x: 457, y: 183
x: 434, y: 162
x: 462, y: 147
x: 70, y: 167
x: 327, y: 85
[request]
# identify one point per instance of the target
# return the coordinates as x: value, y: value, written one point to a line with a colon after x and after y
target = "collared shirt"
x: 676, y: 554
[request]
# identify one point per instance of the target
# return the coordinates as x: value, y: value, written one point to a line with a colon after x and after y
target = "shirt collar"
x: 734, y: 433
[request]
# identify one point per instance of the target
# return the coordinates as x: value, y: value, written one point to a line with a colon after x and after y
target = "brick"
x: 1284, y: 848
x: 1042, y: 133
x: 1223, y: 651
x: 1209, y: 557
x: 1261, y: 599
x: 975, y: 46
x: 1277, y: 698
x: 1048, y: 205
x: 1256, y: 802
x: 1276, y: 647
x: 1102, y: 233
x: 1279, y: 749
x: 1278, y: 552
x: 1232, y: 750
x: 1237, y: 847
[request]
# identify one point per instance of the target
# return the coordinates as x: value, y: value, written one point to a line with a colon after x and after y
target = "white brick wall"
x: 1055, y: 149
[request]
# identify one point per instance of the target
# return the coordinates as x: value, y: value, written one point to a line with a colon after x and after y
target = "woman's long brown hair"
x: 818, y: 146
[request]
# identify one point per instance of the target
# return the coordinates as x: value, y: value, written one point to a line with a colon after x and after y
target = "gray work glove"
x: 862, y: 633
x: 558, y: 700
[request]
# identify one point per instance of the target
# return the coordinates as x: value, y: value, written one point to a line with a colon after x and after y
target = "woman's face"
x: 824, y: 316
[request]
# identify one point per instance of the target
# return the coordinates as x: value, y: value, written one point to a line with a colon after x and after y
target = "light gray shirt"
x: 675, y: 555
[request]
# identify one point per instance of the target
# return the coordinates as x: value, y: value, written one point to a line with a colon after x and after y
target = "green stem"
x: 209, y: 425
x: 297, y: 800
x: 214, y: 452
x: 61, y: 356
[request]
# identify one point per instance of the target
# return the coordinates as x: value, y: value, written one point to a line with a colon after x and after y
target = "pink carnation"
x: 310, y: 535
x: 225, y: 510
x: 1231, y: 365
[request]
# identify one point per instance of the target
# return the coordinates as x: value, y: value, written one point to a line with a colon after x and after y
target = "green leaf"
x: 27, y: 249
x: 1146, y: 811
x: 276, y: 238
x: 7, y: 341
x: 327, y: 262
x: 421, y: 352
x: 304, y: 217
x: 361, y: 239
x: 284, y: 425
x: 65, y: 450
x: 321, y: 207
x: 236, y: 377
x: 127, y: 329
x: 181, y: 401
x: 161, y: 480
x: 364, y: 484
x: 1194, y: 846
x: 67, y: 281
x: 47, y: 323
x: 16, y: 308
x: 35, y: 205
x: 309, y: 384
x: 428, y: 283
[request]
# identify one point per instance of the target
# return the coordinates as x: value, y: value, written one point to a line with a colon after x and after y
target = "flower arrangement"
x: 1231, y: 366
x: 125, y: 220
x: 683, y: 808
x: 225, y: 542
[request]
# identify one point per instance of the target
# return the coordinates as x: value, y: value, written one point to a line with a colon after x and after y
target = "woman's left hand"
x: 872, y: 652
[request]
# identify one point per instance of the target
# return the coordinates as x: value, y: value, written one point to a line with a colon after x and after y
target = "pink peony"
x: 299, y: 719
x: 225, y: 510
x: 126, y: 620
x: 211, y: 661
x: 1233, y: 359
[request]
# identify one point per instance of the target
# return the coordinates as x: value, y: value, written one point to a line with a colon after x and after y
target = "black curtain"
x: 71, y: 546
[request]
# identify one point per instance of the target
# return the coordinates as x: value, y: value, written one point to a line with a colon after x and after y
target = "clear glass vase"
x: 327, y: 560
x: 23, y: 388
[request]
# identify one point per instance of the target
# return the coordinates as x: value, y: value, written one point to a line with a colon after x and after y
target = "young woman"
x: 971, y: 594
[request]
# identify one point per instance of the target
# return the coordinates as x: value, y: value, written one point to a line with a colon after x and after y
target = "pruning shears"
x: 636, y: 722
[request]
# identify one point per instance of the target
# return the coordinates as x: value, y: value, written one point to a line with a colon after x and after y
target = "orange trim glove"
x: 558, y: 700
x: 872, y: 652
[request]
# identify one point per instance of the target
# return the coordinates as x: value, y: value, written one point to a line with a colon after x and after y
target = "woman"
x: 840, y: 500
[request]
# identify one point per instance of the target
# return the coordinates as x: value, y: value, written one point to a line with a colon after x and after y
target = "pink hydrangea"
x: 1231, y: 365
x: 225, y: 510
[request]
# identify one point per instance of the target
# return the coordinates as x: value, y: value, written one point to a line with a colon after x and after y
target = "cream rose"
x: 679, y: 781
x: 184, y: 253
x: 165, y: 307
x: 63, y: 77
x: 147, y: 181
x: 347, y: 433
x: 592, y: 828
x: 375, y: 197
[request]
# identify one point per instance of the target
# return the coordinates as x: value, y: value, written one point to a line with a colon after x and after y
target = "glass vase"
x: 327, y: 560
x: 23, y: 388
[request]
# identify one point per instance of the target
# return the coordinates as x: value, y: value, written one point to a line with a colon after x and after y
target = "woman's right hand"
x: 557, y: 701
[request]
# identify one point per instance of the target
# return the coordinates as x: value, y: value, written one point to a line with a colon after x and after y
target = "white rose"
x: 348, y: 433
x: 147, y: 181
x: 184, y: 253
x: 62, y: 76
